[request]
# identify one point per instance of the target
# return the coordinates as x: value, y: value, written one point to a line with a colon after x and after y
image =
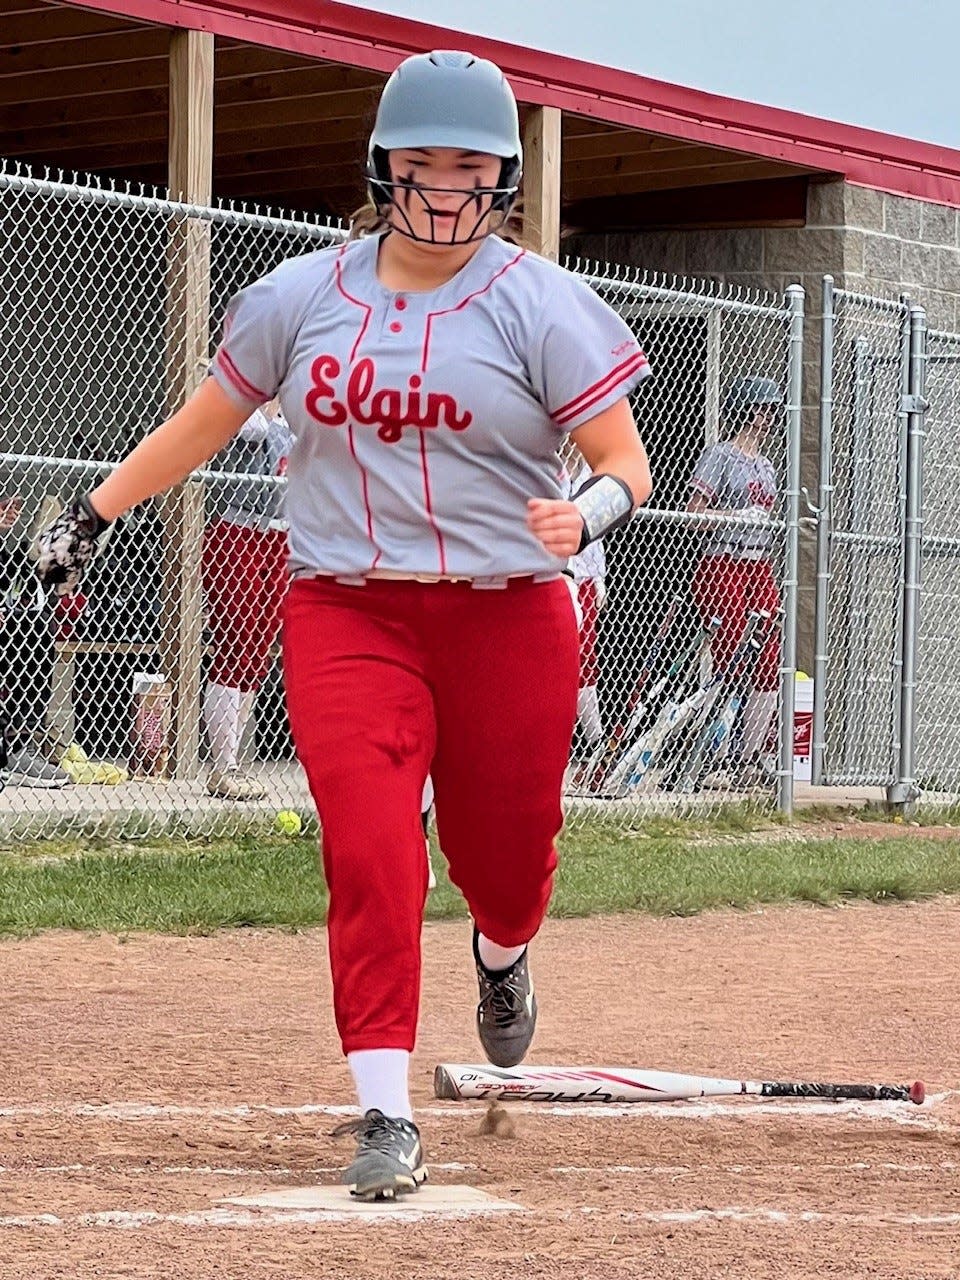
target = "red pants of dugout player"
x: 245, y: 581
x: 386, y: 682
x: 726, y: 588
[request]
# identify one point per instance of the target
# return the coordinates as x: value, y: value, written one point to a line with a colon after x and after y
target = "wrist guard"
x: 89, y: 518
x: 605, y: 503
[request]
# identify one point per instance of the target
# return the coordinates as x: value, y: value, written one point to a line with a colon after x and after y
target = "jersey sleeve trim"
x: 637, y: 367
x: 246, y: 388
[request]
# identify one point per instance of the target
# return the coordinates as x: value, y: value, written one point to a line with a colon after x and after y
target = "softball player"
x: 734, y: 575
x: 245, y: 581
x: 429, y: 372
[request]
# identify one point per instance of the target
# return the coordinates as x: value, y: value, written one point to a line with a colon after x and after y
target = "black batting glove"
x: 66, y: 547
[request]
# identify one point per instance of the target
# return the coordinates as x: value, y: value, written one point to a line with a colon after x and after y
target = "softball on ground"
x: 289, y: 822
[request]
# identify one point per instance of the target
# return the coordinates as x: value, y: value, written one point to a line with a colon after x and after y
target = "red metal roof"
x: 363, y: 38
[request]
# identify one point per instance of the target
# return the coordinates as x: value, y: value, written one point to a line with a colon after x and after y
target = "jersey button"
x: 401, y: 304
x: 396, y: 327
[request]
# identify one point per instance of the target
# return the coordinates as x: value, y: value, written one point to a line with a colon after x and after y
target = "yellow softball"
x: 289, y: 822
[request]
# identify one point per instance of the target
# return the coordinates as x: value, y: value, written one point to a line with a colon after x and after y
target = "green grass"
x: 672, y: 868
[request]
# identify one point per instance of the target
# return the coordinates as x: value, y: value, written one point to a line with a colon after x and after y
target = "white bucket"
x: 802, y: 728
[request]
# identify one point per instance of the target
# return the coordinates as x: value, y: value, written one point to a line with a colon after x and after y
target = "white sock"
x: 221, y: 717
x: 757, y: 716
x: 243, y: 715
x: 588, y: 713
x: 380, y: 1076
x: 494, y: 957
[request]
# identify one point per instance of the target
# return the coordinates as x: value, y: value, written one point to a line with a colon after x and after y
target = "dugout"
x: 269, y: 104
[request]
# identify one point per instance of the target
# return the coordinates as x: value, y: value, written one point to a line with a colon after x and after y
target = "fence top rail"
x: 944, y: 335
x: 702, y: 293
x: 95, y: 191
x: 897, y: 305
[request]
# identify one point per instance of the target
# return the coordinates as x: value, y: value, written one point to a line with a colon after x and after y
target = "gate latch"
x: 914, y: 404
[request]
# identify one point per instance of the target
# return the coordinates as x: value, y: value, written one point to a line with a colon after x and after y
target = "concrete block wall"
x: 868, y: 240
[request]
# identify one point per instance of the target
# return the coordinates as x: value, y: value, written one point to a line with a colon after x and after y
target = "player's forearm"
x: 632, y: 467
x: 168, y: 455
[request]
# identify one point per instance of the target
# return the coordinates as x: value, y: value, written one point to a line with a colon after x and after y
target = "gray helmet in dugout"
x: 750, y: 392
x: 447, y: 99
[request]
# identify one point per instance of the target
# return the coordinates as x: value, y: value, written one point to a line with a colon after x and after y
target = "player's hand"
x: 600, y: 591
x: 557, y: 524
x: 10, y: 509
x: 758, y: 514
x: 66, y: 547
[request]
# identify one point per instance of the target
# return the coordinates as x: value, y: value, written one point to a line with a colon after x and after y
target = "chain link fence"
x: 152, y: 699
x: 937, y: 763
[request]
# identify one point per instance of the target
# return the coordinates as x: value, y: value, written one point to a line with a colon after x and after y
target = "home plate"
x: 456, y: 1201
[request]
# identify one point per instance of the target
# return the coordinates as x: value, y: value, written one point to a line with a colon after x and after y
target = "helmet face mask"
x: 420, y: 208
x: 445, y: 101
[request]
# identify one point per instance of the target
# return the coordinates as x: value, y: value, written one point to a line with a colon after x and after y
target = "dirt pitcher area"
x: 144, y: 1080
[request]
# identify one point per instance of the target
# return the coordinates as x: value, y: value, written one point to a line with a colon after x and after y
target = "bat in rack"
x: 461, y: 1081
x: 686, y: 714
x: 731, y: 694
x: 597, y: 767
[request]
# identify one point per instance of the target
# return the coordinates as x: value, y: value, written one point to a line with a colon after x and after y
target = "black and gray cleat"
x: 507, y: 1012
x: 389, y: 1159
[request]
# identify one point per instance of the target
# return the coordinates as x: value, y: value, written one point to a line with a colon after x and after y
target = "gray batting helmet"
x: 745, y: 393
x: 447, y: 99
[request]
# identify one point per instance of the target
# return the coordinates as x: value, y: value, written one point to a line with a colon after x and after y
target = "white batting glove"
x: 600, y: 588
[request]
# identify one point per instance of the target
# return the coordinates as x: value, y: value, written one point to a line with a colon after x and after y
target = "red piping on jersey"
x: 429, y: 504
x: 425, y: 356
x: 367, y: 309
x: 701, y: 486
x: 366, y: 497
x: 367, y: 313
x: 599, y: 389
x: 246, y: 389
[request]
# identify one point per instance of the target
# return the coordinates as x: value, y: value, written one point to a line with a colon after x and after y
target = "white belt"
x: 492, y: 582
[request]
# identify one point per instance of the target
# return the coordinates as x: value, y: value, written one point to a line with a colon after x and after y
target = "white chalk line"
x: 456, y: 1166
x: 201, y: 1170
x: 128, y: 1220
x: 689, y: 1170
x: 698, y: 1109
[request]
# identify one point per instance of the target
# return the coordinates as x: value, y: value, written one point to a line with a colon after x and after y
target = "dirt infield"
x: 142, y: 1081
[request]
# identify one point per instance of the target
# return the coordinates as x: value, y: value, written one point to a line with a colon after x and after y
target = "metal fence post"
x: 821, y: 657
x: 791, y: 550
x: 904, y: 792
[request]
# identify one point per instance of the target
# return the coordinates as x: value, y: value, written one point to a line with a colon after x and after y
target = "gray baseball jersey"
x: 259, y: 450
x: 424, y: 421
x: 731, y: 480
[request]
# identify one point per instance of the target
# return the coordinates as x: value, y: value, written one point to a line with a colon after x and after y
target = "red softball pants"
x: 726, y: 588
x: 386, y: 682
x: 245, y: 580
x: 589, y: 659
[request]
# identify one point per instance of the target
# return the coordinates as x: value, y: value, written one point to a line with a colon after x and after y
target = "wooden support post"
x: 190, y: 179
x: 541, y: 181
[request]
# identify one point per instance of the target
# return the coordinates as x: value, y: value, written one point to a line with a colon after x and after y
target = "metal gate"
x: 868, y: 546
